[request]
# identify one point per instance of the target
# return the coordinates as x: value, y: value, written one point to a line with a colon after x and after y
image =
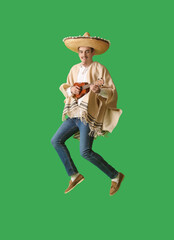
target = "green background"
x: 34, y: 62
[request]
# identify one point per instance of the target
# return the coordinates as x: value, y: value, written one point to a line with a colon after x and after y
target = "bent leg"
x: 86, y: 151
x: 66, y: 130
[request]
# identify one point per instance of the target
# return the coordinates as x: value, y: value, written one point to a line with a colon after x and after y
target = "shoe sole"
x: 75, y: 185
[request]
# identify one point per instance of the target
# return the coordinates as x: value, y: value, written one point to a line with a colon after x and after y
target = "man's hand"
x: 95, y: 88
x: 75, y: 90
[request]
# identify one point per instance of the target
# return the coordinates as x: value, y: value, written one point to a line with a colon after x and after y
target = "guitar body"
x: 85, y: 87
x: 82, y: 91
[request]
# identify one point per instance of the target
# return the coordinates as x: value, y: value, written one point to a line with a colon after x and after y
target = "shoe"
x: 72, y: 185
x: 116, y: 185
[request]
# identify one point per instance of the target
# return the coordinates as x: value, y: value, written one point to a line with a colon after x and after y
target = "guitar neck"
x: 86, y: 86
x: 98, y: 82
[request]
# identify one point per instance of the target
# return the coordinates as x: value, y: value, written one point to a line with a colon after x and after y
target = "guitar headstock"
x: 99, y: 82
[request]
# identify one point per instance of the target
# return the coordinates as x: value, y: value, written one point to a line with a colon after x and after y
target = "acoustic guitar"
x: 85, y: 86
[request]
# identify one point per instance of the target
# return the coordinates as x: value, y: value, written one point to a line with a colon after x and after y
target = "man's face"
x: 86, y: 54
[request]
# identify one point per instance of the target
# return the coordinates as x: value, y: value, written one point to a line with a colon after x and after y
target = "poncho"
x: 102, y: 114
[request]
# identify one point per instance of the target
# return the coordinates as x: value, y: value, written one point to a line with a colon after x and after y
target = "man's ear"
x: 93, y: 52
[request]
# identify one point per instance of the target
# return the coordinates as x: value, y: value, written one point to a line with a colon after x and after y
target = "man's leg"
x: 66, y: 130
x: 86, y: 151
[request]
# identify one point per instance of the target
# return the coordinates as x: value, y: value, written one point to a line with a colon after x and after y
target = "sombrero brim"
x: 100, y: 45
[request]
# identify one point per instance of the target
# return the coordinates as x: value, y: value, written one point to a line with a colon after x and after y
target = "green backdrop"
x: 34, y: 62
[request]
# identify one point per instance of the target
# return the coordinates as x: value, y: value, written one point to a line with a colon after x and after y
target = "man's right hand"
x: 75, y: 90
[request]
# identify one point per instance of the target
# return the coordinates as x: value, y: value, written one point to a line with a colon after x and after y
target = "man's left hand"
x: 95, y: 88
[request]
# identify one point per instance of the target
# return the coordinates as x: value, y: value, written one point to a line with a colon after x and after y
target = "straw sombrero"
x: 99, y: 44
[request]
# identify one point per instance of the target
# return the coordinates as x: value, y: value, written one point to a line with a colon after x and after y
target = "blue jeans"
x: 69, y: 127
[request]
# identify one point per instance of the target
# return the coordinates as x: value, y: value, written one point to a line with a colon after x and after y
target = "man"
x: 91, y: 115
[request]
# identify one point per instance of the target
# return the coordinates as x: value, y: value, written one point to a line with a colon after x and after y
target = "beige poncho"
x: 101, y: 113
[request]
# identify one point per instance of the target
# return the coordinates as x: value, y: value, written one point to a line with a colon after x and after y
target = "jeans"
x: 69, y: 127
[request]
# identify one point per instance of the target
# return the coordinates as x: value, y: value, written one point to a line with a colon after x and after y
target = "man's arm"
x: 100, y: 91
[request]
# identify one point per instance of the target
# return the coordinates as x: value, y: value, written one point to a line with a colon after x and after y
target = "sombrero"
x: 99, y: 44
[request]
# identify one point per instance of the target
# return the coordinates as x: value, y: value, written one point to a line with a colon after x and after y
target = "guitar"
x: 85, y: 86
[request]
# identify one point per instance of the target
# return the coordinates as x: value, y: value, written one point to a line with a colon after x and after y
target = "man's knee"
x: 53, y: 142
x: 85, y: 153
x: 56, y: 141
